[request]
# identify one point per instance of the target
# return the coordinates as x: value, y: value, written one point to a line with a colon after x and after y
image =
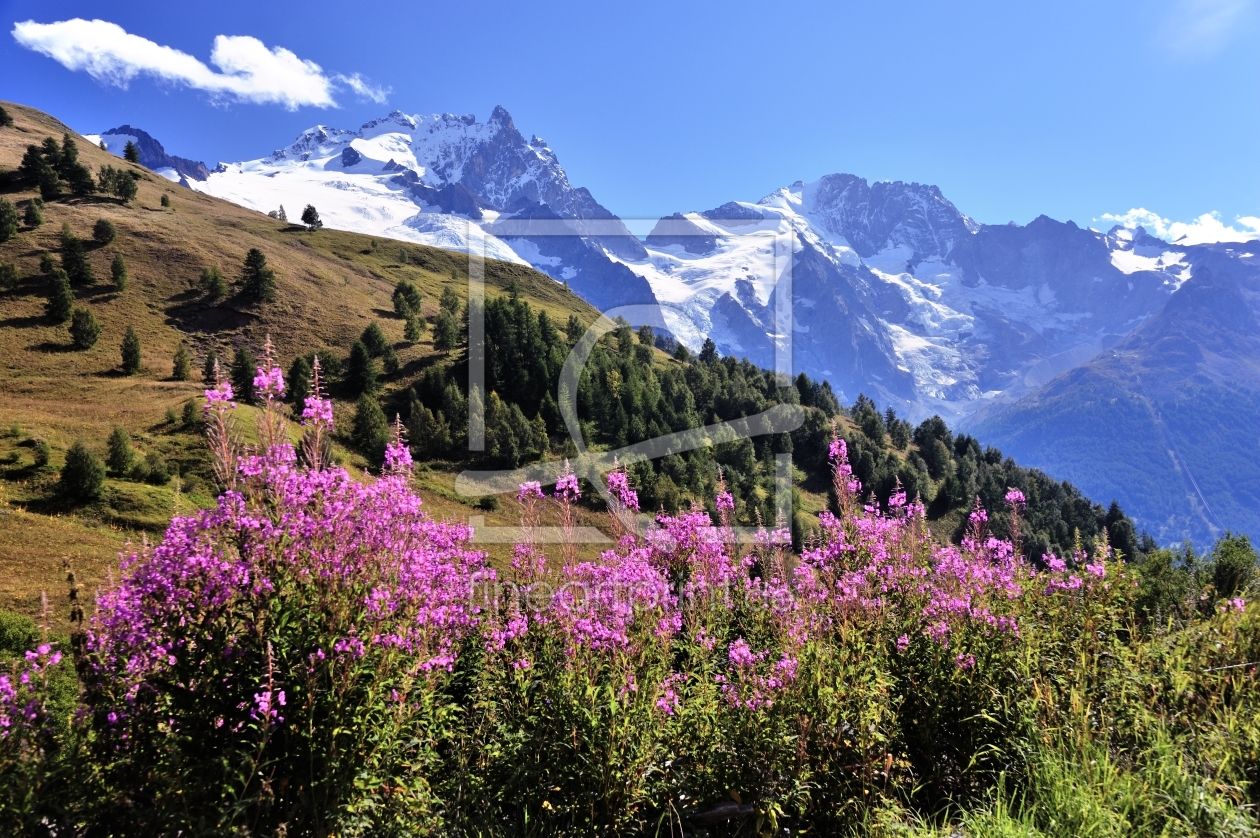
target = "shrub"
x: 121, y: 457
x: 118, y: 272
x: 43, y: 454
x: 181, y: 364
x: 130, y: 352
x: 83, y: 475
x: 104, y: 231
x: 488, y: 503
x: 190, y: 415
x: 166, y: 200
x: 9, y: 276
x: 1233, y: 565
x: 34, y: 213
x: 84, y: 329
x: 156, y: 470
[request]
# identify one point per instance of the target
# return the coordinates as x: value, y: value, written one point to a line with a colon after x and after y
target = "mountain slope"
x: 1165, y: 420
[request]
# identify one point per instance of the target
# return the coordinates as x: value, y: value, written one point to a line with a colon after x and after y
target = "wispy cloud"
x: 248, y: 71
x: 1204, y: 229
x: 363, y: 89
x: 1202, y: 28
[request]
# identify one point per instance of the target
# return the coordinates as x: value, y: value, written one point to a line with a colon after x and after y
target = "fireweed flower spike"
x: 221, y: 435
x: 317, y: 419
x: 567, y: 492
x: 397, y: 453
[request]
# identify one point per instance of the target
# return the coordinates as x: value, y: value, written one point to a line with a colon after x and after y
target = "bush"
x: 43, y: 454
x: 83, y: 475
x: 190, y: 414
x: 156, y: 470
x: 18, y: 634
x: 488, y: 503
x: 84, y: 329
x: 1233, y: 565
x: 166, y: 200
x: 34, y: 214
x: 9, y: 276
x: 104, y: 231
x: 130, y: 352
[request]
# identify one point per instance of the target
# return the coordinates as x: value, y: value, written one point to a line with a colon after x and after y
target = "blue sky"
x: 1072, y: 109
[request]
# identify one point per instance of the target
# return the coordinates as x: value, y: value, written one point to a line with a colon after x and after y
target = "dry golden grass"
x: 330, y: 286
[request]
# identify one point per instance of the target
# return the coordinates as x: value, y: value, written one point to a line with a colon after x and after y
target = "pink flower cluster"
x: 317, y: 411
x: 619, y: 487
x: 269, y: 383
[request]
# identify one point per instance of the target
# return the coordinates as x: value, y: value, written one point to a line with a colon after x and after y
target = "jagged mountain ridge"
x: 152, y: 154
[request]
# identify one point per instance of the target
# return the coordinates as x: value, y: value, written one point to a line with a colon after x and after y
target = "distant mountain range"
x: 1103, y: 357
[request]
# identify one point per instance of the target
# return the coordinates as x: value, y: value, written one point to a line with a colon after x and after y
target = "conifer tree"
x: 6, y: 121
x: 130, y: 352
x: 131, y: 153
x: 414, y: 330
x: 120, y: 457
x: 8, y: 220
x: 708, y: 352
x: 310, y: 217
x: 445, y: 331
x: 165, y: 199
x: 299, y: 382
x: 207, y: 370
x: 361, y: 372
x: 389, y: 361
x: 46, y: 263
x: 212, y: 281
x: 370, y: 432
x: 34, y: 215
x: 84, y: 329
x: 573, y: 329
x: 449, y: 302
x: 374, y: 339
x: 257, y: 280
x: 83, y: 476
x: 181, y: 364
x: 282, y: 215
x: 74, y: 259
x: 118, y: 272
x: 60, y: 298
x: 104, y: 231
x: 244, y: 368
x: 9, y: 276
x: 407, y: 299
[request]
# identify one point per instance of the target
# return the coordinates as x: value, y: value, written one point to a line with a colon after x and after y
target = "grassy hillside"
x: 330, y: 285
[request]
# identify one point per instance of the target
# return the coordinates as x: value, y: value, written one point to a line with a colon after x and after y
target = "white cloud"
x: 1201, y: 28
x: 363, y: 89
x: 247, y: 70
x: 1205, y: 229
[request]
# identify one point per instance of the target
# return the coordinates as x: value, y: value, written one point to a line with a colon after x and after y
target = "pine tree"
x: 708, y: 352
x: 445, y: 331
x: 84, y: 329
x: 34, y: 215
x: 212, y: 281
x: 120, y: 457
x: 257, y: 280
x: 414, y: 330
x: 131, y: 352
x: 131, y: 153
x: 374, y: 339
x: 83, y: 476
x: 118, y: 272
x: 104, y: 231
x: 449, y: 301
x: 244, y: 368
x: 207, y: 370
x: 9, y: 276
x: 6, y: 121
x: 370, y: 432
x: 8, y: 220
x: 574, y: 329
x: 69, y: 154
x: 310, y: 217
x: 46, y: 263
x: 74, y: 259
x: 361, y: 372
x: 282, y: 215
x: 60, y: 298
x: 407, y: 299
x: 299, y: 382
x: 181, y: 365
x: 389, y: 361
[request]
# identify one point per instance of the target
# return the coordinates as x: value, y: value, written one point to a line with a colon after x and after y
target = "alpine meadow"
x: 446, y: 502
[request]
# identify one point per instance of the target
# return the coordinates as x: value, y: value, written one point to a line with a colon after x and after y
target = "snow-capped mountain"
x: 152, y: 155
x: 894, y: 291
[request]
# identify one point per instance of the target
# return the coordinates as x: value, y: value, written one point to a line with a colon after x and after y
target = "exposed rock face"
x: 153, y: 156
